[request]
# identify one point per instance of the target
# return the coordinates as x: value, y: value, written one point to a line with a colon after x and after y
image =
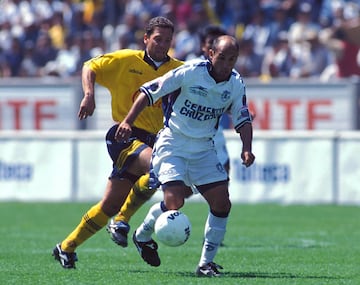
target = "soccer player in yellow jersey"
x: 122, y: 73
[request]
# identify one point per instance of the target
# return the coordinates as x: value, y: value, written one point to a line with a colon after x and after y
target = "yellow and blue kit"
x: 122, y: 72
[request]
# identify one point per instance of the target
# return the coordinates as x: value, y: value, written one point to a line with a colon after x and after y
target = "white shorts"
x: 193, y: 161
x: 220, y: 146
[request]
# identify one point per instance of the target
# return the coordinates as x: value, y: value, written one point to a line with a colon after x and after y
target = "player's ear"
x: 145, y: 40
x: 211, y: 53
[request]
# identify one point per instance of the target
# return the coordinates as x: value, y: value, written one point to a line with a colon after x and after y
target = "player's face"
x: 223, y: 61
x: 158, y: 43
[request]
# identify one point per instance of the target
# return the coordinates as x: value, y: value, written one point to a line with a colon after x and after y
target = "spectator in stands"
x: 249, y: 62
x: 44, y: 51
x: 67, y: 59
x: 343, y: 41
x: 277, y: 60
x: 186, y: 42
x: 4, y: 67
x: 14, y: 57
x: 258, y: 31
x: 297, y: 30
x: 313, y: 59
x: 29, y: 20
x: 28, y: 66
x: 278, y: 24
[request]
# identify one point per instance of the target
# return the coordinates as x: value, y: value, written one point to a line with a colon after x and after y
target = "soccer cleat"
x: 148, y: 251
x: 208, y: 270
x: 66, y: 259
x: 118, y: 232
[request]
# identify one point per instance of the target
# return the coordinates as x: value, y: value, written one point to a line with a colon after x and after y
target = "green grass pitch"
x: 264, y: 244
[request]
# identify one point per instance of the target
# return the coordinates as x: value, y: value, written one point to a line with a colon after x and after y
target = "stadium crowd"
x: 288, y: 38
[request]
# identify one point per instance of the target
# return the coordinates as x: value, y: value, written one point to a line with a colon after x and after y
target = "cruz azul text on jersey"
x: 200, y: 112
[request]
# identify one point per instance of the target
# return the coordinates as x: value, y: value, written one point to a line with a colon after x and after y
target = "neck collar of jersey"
x: 149, y: 61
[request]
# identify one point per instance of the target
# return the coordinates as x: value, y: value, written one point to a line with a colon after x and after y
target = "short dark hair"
x: 211, y: 30
x: 161, y: 22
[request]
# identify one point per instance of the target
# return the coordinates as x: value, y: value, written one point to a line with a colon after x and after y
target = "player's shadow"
x: 264, y: 275
x: 249, y: 275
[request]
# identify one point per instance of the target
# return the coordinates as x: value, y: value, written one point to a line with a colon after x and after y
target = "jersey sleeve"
x: 163, y: 85
x: 239, y: 110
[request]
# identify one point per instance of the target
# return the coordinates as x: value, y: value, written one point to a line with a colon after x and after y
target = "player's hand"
x: 248, y: 158
x: 123, y: 132
x: 87, y: 107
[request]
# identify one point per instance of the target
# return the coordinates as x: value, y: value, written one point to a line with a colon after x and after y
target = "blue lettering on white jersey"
x: 193, y: 102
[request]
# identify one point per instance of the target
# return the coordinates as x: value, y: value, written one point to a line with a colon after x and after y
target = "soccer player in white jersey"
x: 194, y: 96
x: 207, y: 37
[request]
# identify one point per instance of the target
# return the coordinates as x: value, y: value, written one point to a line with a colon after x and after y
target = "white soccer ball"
x: 172, y: 228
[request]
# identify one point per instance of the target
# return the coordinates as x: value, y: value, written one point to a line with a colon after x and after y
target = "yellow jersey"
x: 122, y: 72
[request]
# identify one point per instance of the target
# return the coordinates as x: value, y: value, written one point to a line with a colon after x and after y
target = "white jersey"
x: 193, y: 102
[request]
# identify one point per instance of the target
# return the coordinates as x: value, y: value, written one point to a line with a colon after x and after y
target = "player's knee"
x: 173, y: 202
x: 221, y: 209
x: 174, y: 194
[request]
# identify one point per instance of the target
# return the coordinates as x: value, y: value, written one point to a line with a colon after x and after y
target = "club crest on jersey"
x: 199, y: 90
x: 225, y: 96
x: 154, y: 86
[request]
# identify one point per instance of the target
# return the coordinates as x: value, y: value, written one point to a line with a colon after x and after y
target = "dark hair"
x: 211, y: 30
x: 161, y: 22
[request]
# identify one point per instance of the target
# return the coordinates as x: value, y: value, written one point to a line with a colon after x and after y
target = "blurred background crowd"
x: 289, y: 38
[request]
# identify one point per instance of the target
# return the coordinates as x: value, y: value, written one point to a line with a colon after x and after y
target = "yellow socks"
x: 139, y: 194
x: 93, y: 221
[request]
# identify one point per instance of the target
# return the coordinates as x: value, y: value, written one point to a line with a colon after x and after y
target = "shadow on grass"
x: 264, y: 275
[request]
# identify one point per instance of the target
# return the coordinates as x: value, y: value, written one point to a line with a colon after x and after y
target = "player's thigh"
x: 141, y: 162
x: 218, y: 198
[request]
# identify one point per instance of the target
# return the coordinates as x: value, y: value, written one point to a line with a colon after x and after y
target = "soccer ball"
x: 172, y: 228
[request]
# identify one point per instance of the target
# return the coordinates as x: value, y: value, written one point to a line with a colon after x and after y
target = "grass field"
x: 264, y: 244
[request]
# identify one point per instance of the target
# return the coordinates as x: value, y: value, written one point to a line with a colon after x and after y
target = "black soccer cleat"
x: 66, y: 259
x: 210, y: 269
x: 119, y: 232
x: 148, y: 251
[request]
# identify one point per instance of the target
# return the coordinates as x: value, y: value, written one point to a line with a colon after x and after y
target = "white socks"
x: 146, y: 229
x: 215, y: 229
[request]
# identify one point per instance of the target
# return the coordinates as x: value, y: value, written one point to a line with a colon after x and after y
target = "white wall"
x: 291, y: 167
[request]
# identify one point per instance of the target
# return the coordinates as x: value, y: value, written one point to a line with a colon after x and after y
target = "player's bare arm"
x: 87, y: 105
x: 246, y: 135
x: 124, y: 130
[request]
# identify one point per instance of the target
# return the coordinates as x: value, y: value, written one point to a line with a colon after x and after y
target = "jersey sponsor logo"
x: 200, y: 112
x: 133, y: 70
x: 198, y: 90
